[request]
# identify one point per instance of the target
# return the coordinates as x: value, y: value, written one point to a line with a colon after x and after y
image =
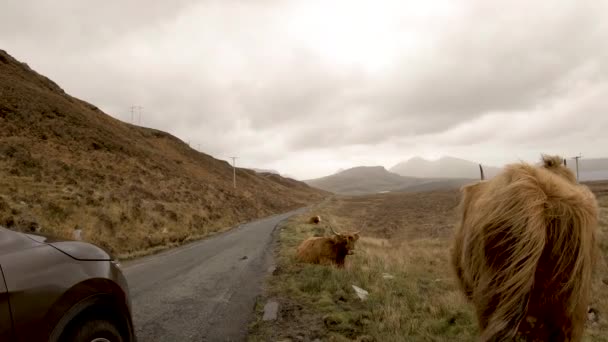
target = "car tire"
x: 94, y: 330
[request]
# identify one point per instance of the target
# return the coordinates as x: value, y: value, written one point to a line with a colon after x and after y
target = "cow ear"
x: 356, y: 236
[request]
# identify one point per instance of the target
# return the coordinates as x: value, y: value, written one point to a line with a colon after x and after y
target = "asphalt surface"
x: 203, y: 291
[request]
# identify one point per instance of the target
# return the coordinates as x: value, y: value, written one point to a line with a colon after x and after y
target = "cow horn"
x: 333, y: 231
x: 481, y: 171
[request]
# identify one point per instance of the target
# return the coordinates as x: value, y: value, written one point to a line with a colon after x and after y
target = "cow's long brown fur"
x: 524, y: 252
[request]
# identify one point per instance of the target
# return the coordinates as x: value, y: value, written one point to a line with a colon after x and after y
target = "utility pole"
x: 577, y: 158
x: 234, y: 171
x: 133, y: 108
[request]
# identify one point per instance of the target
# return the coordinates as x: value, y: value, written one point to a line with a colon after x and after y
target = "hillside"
x: 64, y: 164
x: 362, y: 180
x: 376, y: 179
x: 445, y: 167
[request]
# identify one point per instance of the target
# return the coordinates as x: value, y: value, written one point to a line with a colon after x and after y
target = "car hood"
x: 12, y: 241
x: 76, y: 249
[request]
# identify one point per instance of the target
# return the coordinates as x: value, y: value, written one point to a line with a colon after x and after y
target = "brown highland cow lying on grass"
x: 315, y: 219
x: 524, y: 252
x: 327, y: 250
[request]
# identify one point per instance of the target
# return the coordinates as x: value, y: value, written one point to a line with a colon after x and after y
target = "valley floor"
x: 402, y: 261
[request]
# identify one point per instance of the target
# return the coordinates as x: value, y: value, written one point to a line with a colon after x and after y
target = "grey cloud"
x: 488, y: 64
x: 482, y: 66
x: 81, y: 25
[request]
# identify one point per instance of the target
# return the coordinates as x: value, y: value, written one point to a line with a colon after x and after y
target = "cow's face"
x: 346, y: 240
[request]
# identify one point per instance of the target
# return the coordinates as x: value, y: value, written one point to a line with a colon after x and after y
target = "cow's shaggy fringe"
x: 524, y: 252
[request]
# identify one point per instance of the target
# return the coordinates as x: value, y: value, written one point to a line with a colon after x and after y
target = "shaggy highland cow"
x: 315, y: 219
x: 327, y: 250
x: 524, y: 252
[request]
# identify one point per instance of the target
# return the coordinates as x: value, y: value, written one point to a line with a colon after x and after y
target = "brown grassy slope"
x: 408, y: 237
x: 66, y: 164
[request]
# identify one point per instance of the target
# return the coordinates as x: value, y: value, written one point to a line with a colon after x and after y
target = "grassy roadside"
x: 413, y: 295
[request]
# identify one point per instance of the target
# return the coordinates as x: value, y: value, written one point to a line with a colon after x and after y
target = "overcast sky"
x: 308, y: 87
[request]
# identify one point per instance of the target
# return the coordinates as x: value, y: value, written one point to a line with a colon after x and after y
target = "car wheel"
x: 95, y: 330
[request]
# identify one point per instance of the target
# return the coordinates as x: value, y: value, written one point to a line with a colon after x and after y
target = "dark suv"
x: 53, y: 290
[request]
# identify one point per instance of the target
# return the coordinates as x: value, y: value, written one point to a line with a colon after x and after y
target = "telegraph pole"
x: 577, y: 158
x: 133, y: 108
x: 234, y: 171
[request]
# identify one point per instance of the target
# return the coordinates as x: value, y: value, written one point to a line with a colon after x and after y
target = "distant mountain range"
x: 418, y: 174
x: 374, y: 179
x: 445, y: 167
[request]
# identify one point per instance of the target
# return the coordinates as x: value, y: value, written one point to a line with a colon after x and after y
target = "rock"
x: 388, y: 276
x: 77, y: 234
x: 361, y: 293
x: 270, y: 311
x: 592, y: 315
x: 244, y: 258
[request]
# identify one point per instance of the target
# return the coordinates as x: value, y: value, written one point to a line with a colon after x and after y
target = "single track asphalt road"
x: 203, y: 291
